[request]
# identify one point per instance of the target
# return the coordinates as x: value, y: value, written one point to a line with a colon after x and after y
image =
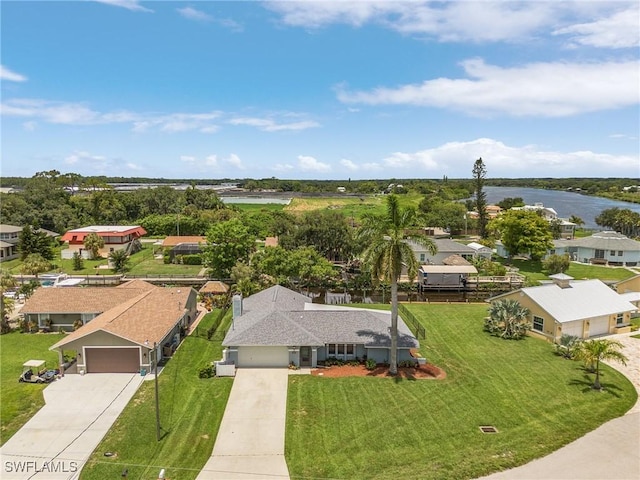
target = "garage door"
x: 599, y: 326
x: 263, y: 357
x: 112, y: 360
x: 572, y: 328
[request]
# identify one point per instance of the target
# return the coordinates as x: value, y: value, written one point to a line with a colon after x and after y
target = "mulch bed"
x: 423, y: 372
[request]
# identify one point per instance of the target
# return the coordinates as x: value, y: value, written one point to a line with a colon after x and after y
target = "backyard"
x: 377, y: 428
x: 534, y: 272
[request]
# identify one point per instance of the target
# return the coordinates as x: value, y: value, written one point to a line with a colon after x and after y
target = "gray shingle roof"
x: 602, y: 241
x: 283, y: 320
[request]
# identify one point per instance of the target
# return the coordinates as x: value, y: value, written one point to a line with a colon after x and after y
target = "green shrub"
x: 407, y: 364
x: 370, y: 364
x: 568, y: 346
x: 333, y: 361
x: 192, y: 259
x: 207, y: 372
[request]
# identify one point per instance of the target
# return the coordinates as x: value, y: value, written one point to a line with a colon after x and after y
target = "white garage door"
x: 572, y: 328
x: 599, y: 326
x: 263, y: 357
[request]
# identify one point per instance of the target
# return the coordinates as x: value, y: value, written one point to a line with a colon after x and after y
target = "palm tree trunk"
x: 596, y: 384
x: 393, y: 357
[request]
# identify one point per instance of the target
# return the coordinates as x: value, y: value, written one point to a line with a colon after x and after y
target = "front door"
x: 305, y: 356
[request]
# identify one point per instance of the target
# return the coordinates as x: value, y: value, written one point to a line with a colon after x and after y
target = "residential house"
x: 567, y: 228
x: 183, y: 245
x: 119, y: 336
x: 445, y: 276
x: 585, y: 308
x: 481, y: 251
x: 446, y: 247
x: 492, y: 212
x: 278, y: 327
x: 9, y: 235
x: 605, y: 248
x: 9, y: 238
x: 115, y: 237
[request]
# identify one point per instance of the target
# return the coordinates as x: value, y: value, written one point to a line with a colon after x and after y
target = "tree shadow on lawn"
x: 587, y: 383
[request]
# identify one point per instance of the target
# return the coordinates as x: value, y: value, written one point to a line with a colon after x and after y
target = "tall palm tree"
x: 388, y: 252
x: 593, y: 351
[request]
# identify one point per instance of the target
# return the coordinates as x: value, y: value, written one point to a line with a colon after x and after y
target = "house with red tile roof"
x: 116, y: 237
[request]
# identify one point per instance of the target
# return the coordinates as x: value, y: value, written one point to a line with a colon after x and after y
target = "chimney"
x: 237, y: 305
x: 562, y: 280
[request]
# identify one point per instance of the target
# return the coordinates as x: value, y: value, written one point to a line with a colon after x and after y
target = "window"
x: 599, y: 254
x: 619, y: 253
x: 620, y: 319
x: 538, y: 323
x: 340, y: 349
x: 332, y: 350
x: 613, y: 253
x: 422, y: 257
x: 350, y: 349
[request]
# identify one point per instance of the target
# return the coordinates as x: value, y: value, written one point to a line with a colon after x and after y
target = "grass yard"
x: 190, y: 414
x: 20, y: 401
x: 144, y: 263
x: 378, y: 428
x: 534, y: 272
x: 258, y: 207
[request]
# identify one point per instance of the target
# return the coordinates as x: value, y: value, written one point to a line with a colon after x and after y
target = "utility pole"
x: 155, y: 374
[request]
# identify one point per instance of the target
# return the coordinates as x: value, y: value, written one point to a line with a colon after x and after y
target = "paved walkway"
x: 78, y: 412
x: 250, y: 442
x: 612, y: 451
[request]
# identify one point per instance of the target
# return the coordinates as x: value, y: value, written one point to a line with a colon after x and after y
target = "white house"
x: 606, y: 248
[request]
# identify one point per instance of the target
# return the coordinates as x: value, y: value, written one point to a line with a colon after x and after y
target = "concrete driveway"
x: 250, y: 442
x: 78, y: 412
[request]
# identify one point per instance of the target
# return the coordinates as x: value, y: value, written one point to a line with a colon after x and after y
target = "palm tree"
x: 35, y: 264
x: 94, y: 242
x: 507, y: 319
x: 119, y: 260
x: 386, y: 255
x: 593, y: 351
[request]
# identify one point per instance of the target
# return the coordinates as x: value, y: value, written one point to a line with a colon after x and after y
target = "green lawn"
x: 144, y: 263
x: 379, y: 428
x: 534, y: 272
x: 258, y: 207
x: 191, y: 410
x: 20, y: 401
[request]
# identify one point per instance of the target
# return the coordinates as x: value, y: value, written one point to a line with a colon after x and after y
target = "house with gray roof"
x: 581, y: 308
x: 445, y: 248
x: 277, y: 327
x: 606, y: 248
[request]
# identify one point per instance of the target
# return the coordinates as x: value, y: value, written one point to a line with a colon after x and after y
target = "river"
x: 565, y: 203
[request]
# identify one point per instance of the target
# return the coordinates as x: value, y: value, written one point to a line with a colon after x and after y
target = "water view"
x: 565, y: 203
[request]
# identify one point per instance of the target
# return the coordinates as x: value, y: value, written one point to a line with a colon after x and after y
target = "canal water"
x: 565, y: 203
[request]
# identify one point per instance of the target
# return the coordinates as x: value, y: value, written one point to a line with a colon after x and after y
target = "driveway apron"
x: 250, y: 441
x: 78, y: 412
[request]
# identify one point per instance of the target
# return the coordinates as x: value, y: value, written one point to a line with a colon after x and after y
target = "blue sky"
x: 313, y: 90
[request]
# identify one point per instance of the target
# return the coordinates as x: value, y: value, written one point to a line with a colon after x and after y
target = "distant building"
x: 115, y: 237
x: 9, y: 237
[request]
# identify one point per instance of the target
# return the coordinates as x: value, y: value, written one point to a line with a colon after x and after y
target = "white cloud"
x: 620, y: 30
x: 599, y: 24
x: 69, y: 113
x: 348, y: 164
x: 234, y: 161
x: 510, y: 161
x: 133, y: 166
x: 211, y: 161
x: 11, y: 76
x: 188, y: 159
x: 270, y: 125
x: 133, y: 5
x: 282, y: 167
x: 310, y: 164
x: 538, y: 89
x: 193, y: 14
x: 30, y: 126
